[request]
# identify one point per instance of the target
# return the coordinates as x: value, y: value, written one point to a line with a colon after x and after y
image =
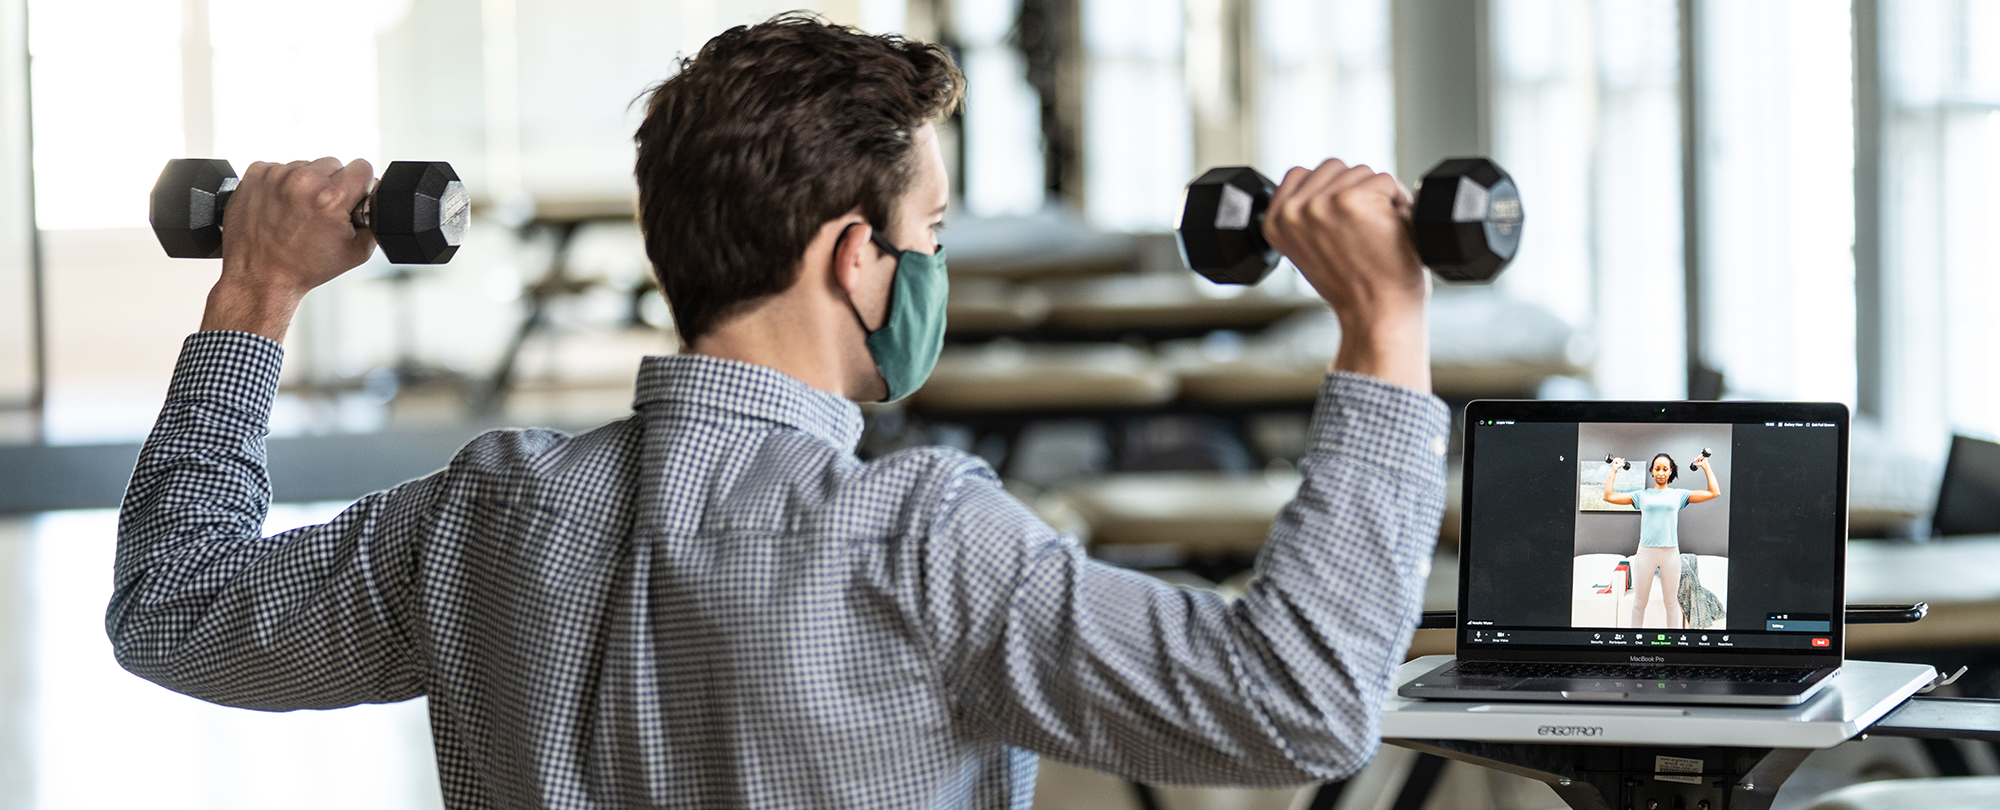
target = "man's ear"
x: 850, y: 257
x: 856, y: 274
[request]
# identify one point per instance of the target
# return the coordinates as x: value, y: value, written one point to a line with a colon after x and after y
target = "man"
x: 713, y: 602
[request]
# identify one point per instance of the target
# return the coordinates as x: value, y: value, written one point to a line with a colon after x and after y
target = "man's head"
x: 770, y: 132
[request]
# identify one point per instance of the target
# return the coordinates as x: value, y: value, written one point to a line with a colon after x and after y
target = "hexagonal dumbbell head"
x: 1467, y: 221
x: 420, y: 212
x: 1222, y: 226
x: 186, y: 207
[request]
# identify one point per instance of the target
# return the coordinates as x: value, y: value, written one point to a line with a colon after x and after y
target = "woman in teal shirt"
x: 1659, y: 530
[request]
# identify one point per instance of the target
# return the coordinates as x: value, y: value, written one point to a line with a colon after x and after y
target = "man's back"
x: 710, y: 603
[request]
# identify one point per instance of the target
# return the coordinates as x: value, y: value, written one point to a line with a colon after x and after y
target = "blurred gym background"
x: 1770, y: 199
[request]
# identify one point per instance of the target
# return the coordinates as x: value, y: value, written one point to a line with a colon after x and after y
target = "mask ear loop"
x: 883, y: 244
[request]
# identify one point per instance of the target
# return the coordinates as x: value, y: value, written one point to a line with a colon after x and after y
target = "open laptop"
x: 1552, y: 571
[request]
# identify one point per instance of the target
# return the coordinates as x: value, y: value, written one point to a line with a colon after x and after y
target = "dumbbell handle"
x: 361, y: 216
x: 1608, y: 458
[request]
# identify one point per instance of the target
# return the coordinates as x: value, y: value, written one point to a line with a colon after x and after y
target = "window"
x: 1586, y: 117
x: 1776, y: 156
x: 1940, y: 88
x: 1138, y: 141
x: 1003, y: 136
x: 103, y: 126
x: 1323, y: 84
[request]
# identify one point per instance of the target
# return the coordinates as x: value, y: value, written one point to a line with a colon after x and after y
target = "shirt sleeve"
x: 205, y: 605
x: 1048, y: 650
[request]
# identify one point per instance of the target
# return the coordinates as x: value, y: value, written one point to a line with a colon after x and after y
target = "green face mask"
x: 906, y: 348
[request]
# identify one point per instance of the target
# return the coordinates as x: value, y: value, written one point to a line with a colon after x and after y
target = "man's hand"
x: 286, y: 231
x: 1347, y: 229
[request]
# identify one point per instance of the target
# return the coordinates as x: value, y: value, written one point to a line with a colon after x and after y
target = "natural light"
x: 105, y: 738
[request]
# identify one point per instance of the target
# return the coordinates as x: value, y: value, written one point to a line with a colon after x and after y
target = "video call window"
x: 1652, y: 529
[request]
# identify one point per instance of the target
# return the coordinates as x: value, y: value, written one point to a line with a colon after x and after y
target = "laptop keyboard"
x: 1631, y: 672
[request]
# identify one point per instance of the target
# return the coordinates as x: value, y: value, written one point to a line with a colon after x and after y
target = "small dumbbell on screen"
x: 1701, y: 460
x: 1608, y: 459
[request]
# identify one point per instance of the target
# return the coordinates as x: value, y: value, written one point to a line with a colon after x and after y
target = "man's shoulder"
x: 927, y: 463
x: 910, y: 486
x: 521, y: 454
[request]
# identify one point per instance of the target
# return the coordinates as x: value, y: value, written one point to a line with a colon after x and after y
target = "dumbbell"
x: 1608, y: 459
x: 1700, y: 460
x: 419, y: 210
x: 1466, y: 224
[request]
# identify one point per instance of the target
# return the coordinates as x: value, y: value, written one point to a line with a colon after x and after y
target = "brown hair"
x: 766, y: 134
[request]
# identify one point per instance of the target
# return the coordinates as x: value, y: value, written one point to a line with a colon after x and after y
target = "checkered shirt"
x: 714, y: 603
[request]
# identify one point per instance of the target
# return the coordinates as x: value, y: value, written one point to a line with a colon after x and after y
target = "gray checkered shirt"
x: 714, y: 603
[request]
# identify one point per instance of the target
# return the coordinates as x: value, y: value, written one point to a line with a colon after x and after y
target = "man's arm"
x: 1113, y: 670
x: 205, y: 605
x: 202, y: 603
x: 1116, y: 671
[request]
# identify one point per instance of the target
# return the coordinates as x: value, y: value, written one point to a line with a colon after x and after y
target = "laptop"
x: 1584, y: 580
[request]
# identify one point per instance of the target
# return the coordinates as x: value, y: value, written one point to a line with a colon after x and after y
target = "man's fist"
x: 288, y: 229
x: 1347, y: 230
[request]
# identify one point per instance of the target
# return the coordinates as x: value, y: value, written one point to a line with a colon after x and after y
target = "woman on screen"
x: 1659, y: 530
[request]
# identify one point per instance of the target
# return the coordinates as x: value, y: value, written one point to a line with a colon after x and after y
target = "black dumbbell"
x: 1700, y: 460
x: 1608, y: 459
x: 1466, y: 225
x: 419, y: 210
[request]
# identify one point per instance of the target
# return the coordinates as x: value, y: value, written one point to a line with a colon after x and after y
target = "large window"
x: 1003, y: 136
x: 1138, y: 137
x: 1323, y: 84
x: 1776, y: 153
x: 103, y: 125
x: 1587, y: 120
x: 1940, y: 287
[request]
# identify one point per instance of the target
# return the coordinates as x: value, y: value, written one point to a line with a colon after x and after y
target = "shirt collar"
x: 749, y: 390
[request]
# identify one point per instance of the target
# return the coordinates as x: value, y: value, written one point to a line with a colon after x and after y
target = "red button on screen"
x: 1822, y: 642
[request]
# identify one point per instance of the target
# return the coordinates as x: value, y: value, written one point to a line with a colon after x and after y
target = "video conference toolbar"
x: 1643, y: 638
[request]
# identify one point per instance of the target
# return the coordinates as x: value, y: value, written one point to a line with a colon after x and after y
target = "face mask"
x: 906, y: 348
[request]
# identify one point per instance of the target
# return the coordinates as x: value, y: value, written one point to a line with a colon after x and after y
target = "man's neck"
x: 799, y: 337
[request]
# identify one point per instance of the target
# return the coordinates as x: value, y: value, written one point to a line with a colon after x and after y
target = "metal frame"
x: 37, y: 399
x: 1603, y: 777
x: 1703, y: 381
x: 1869, y: 346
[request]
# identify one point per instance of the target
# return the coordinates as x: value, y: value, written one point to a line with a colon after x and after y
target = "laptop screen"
x: 1674, y: 532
